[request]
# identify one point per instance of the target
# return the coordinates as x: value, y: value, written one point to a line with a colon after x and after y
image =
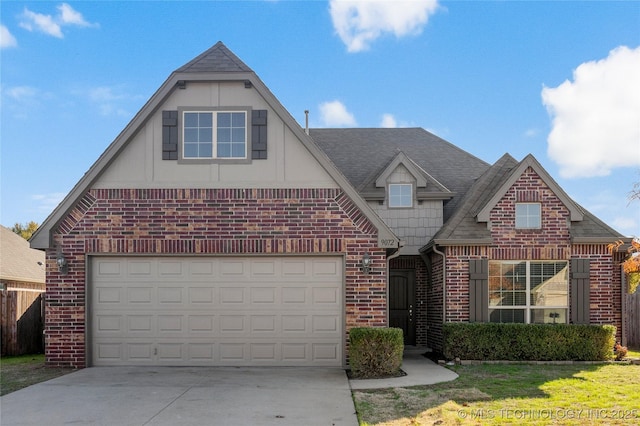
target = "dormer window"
x: 528, y: 216
x: 400, y: 195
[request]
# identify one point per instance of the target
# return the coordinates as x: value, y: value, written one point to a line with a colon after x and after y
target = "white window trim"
x: 214, y: 137
x: 528, y: 307
x: 528, y: 216
x: 410, y: 185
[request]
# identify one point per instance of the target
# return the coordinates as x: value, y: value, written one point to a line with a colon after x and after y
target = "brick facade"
x: 207, y: 222
x: 551, y: 242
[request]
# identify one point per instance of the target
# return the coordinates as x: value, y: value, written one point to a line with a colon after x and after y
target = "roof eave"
x: 597, y: 240
x: 456, y: 243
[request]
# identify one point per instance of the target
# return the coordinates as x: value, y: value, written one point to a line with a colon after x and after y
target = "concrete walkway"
x: 420, y: 371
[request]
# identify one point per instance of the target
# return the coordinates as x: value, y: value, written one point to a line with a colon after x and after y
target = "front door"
x: 402, y: 302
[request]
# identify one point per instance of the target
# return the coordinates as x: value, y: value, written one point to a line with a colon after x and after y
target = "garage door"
x: 268, y: 311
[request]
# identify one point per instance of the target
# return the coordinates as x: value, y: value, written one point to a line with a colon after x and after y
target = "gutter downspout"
x: 444, y: 281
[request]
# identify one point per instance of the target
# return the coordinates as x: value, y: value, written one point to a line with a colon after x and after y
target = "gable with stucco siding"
x: 243, y: 257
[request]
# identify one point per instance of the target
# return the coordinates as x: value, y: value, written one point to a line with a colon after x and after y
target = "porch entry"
x: 402, y: 302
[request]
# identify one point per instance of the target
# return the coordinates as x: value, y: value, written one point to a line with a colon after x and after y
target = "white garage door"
x: 216, y: 311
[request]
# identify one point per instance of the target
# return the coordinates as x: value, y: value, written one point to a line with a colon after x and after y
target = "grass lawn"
x: 512, y: 394
x: 17, y: 372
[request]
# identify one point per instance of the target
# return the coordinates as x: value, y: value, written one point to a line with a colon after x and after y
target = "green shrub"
x: 375, y: 352
x: 528, y: 342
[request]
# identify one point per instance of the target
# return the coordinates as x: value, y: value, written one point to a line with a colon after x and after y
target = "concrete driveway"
x: 185, y: 396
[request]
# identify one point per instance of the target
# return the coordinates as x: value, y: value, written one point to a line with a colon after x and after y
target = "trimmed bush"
x: 528, y: 342
x: 375, y: 352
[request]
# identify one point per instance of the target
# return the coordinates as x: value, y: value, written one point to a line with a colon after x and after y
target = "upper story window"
x: 401, y: 195
x: 528, y: 216
x: 214, y: 134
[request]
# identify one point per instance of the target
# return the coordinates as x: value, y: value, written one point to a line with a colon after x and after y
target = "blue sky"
x: 560, y: 80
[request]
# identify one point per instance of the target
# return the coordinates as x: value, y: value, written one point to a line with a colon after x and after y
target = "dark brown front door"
x: 402, y: 302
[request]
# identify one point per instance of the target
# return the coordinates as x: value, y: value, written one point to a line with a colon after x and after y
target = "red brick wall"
x: 551, y: 242
x: 207, y: 221
x: 435, y: 301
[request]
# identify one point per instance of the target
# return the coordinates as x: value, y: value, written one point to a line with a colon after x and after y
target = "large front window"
x: 214, y: 134
x: 528, y: 291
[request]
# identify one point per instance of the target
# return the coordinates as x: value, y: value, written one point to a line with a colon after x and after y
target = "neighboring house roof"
x: 364, y: 154
x: 216, y: 64
x: 18, y: 262
x: 468, y: 224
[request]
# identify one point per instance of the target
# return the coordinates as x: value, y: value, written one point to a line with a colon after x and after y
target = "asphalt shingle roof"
x: 360, y: 154
x: 19, y: 262
x: 218, y: 58
x: 462, y: 225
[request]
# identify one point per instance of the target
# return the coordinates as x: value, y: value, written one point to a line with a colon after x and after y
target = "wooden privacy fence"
x: 633, y: 319
x: 21, y: 322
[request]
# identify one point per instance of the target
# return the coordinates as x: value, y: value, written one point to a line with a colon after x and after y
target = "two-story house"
x: 214, y: 230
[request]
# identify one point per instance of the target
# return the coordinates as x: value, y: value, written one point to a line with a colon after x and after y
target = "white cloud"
x: 48, y: 202
x: 360, y: 22
x: 6, y: 38
x: 596, y: 116
x: 22, y: 101
x: 104, y: 94
x: 45, y: 23
x: 109, y: 99
x: 625, y: 225
x: 69, y: 16
x: 22, y: 93
x: 52, y: 25
x: 388, y: 121
x: 335, y: 114
x: 529, y: 133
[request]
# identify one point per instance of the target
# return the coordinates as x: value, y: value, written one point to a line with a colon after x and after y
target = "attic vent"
x: 527, y: 196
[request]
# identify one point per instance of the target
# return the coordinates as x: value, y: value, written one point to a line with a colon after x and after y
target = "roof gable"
x: 576, y: 214
x: 421, y: 176
x: 216, y: 64
x: 464, y: 228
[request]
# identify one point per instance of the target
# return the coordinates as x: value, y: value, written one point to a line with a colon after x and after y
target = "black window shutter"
x: 579, y: 291
x: 259, y: 134
x: 169, y: 135
x: 479, y: 290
